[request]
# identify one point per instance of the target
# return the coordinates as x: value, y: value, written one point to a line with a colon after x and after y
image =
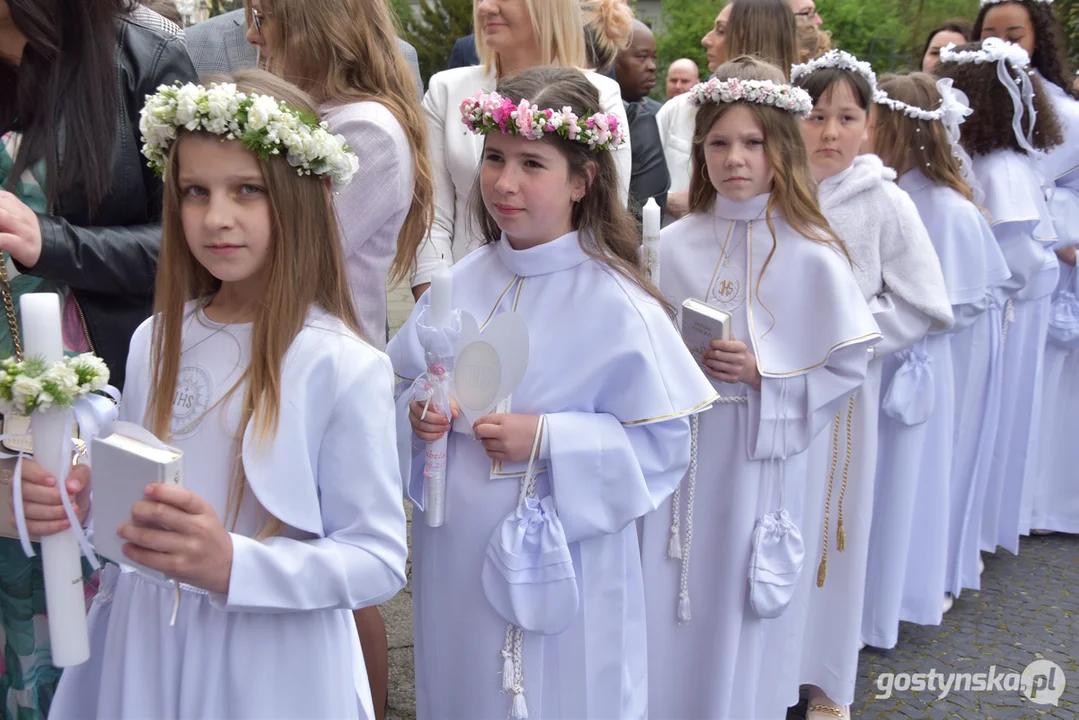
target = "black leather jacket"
x: 109, y: 261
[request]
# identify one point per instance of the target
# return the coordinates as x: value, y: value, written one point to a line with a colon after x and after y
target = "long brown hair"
x: 345, y: 51
x: 607, y: 230
x: 794, y: 194
x: 990, y: 127
x: 765, y: 29
x: 903, y: 142
x: 305, y: 268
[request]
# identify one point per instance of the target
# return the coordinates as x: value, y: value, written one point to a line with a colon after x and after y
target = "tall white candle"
x: 64, y: 598
x: 434, y: 462
x: 441, y: 295
x: 650, y: 245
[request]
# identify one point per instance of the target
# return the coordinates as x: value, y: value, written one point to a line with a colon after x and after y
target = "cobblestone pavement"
x: 1028, y: 609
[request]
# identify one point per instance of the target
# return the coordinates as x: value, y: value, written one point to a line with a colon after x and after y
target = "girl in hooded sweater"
x: 1006, y: 138
x: 900, y: 277
x: 932, y: 468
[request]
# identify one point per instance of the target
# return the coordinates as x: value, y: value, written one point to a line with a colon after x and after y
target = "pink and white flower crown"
x: 995, y: 2
x: 794, y: 100
x: 484, y: 112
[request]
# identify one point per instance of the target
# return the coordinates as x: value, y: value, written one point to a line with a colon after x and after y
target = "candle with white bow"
x: 60, y: 557
x: 650, y: 245
x: 434, y: 463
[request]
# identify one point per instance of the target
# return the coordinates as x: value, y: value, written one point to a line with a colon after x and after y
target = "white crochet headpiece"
x: 836, y: 59
x: 1006, y: 55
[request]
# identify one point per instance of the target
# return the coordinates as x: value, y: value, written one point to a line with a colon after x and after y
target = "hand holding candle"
x: 64, y: 597
x: 434, y: 463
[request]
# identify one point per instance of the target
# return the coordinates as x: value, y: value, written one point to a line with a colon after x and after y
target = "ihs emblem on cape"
x: 727, y: 292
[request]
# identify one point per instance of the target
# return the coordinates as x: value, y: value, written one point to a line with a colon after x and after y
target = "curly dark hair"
x: 990, y: 127
x: 1049, y: 56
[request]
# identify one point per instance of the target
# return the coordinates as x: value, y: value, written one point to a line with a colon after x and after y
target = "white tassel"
x: 683, y: 609
x: 520, y: 710
x: 674, y: 547
x: 507, y: 671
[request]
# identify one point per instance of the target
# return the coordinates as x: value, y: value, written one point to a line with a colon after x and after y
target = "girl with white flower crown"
x: 537, y: 570
x: 1013, y: 126
x: 900, y: 277
x: 937, y: 424
x: 755, y: 246
x: 253, y: 365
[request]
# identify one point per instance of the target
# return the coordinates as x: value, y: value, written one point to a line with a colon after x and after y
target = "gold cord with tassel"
x: 841, y: 535
x: 822, y: 569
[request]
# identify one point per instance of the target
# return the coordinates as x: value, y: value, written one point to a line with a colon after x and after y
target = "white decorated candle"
x: 650, y: 244
x: 441, y: 295
x: 64, y: 599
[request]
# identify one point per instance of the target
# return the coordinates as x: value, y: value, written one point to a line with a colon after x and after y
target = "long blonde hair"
x: 346, y: 51
x: 901, y: 140
x: 305, y: 268
x: 557, y: 27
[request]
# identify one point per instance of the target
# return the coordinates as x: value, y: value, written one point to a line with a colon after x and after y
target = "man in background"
x: 635, y: 68
x: 682, y: 75
x: 805, y: 12
x: 464, y: 53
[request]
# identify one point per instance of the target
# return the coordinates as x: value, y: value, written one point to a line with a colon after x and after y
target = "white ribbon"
x: 954, y: 110
x: 92, y: 412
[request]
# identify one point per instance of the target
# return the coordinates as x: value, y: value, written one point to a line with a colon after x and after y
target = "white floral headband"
x: 794, y: 100
x: 953, y: 110
x: 263, y: 124
x: 484, y: 112
x: 836, y: 59
x: 1021, y: 89
x: 986, y: 3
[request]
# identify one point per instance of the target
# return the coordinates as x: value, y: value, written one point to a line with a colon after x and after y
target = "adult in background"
x: 682, y: 74
x: 166, y: 9
x: 812, y: 42
x: 80, y: 219
x: 635, y: 70
x: 805, y: 12
x: 765, y: 29
x: 357, y: 74
x: 219, y: 45
x: 463, y: 53
x: 511, y: 36
x: 950, y: 32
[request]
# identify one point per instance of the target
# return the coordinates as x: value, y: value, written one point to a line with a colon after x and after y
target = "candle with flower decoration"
x: 650, y: 244
x: 64, y: 596
x: 434, y: 463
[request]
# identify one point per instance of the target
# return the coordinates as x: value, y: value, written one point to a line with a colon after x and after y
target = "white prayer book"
x: 123, y: 466
x: 702, y: 323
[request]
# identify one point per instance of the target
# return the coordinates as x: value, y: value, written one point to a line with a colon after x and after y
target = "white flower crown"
x: 836, y: 59
x: 794, y: 100
x: 986, y: 3
x: 992, y: 50
x: 263, y: 124
x: 484, y: 112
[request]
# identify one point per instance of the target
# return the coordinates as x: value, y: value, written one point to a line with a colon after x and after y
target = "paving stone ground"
x: 1027, y: 609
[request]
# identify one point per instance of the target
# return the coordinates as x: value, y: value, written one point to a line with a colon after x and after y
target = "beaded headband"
x: 484, y: 112
x: 263, y: 124
x: 794, y: 100
x: 836, y: 59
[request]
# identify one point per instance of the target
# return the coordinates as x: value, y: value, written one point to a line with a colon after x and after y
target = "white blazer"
x: 677, y: 119
x: 455, y: 160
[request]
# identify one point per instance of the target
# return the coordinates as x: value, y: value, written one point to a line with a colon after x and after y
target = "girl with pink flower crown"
x: 536, y: 570
x: 756, y: 248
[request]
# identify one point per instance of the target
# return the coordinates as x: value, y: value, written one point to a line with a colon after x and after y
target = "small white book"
x: 124, y: 463
x: 702, y: 323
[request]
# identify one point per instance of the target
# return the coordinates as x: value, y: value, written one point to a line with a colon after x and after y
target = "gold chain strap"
x: 9, y: 306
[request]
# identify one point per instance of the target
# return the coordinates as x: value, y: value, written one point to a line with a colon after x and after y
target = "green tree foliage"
x: 1068, y: 12
x: 685, y: 22
x: 218, y: 7
x: 433, y: 30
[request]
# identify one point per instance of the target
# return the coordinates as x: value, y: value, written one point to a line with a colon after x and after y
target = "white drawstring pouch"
x: 910, y: 397
x: 528, y: 574
x: 776, y: 563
